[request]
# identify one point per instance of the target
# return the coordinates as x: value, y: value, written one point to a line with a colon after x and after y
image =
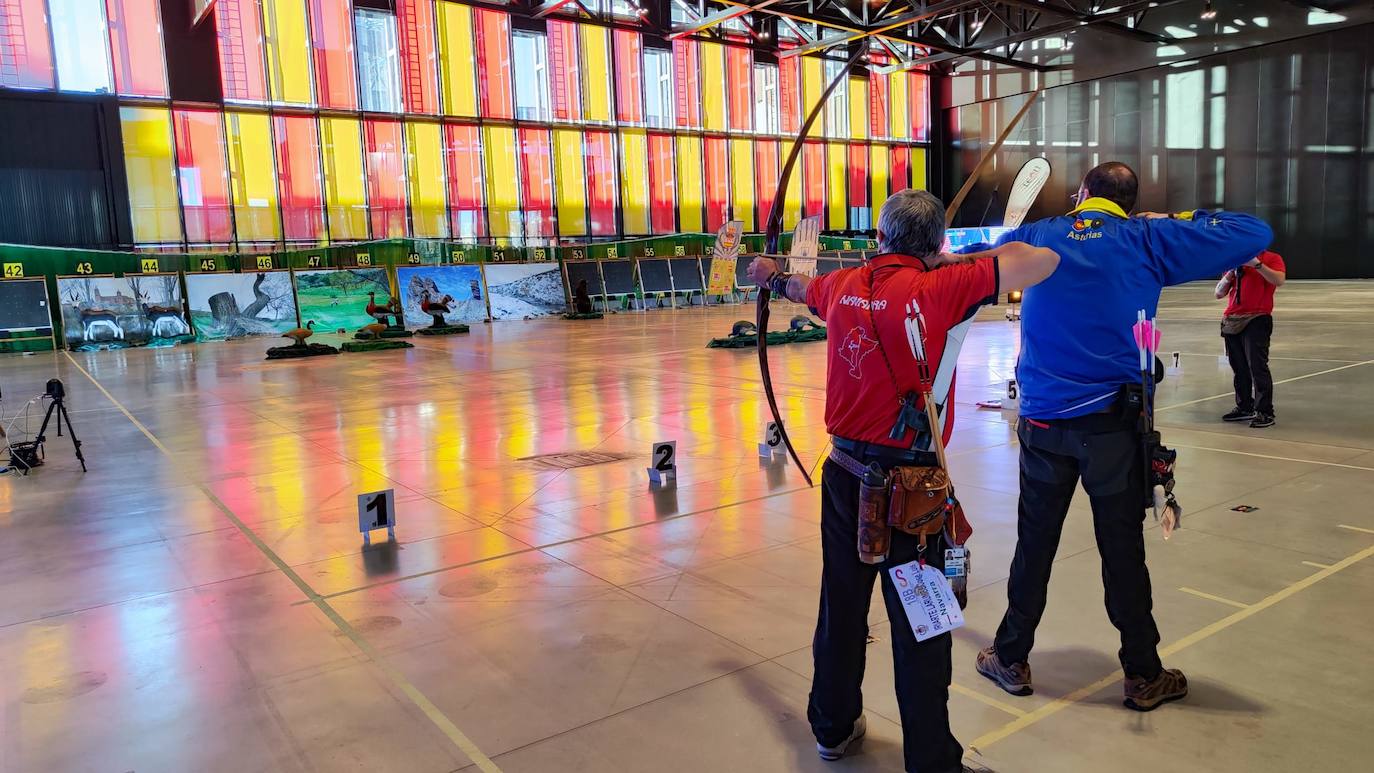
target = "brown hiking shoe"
x: 1015, y: 679
x: 1150, y: 694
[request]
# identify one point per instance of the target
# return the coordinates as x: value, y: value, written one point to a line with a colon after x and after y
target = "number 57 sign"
x: 377, y: 510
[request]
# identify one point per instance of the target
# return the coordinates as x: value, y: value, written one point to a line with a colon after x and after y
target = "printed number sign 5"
x: 1013, y: 392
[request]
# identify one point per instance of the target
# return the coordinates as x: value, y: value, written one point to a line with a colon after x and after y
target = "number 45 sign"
x: 377, y: 510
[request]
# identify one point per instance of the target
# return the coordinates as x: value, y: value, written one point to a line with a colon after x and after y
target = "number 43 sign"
x: 377, y: 510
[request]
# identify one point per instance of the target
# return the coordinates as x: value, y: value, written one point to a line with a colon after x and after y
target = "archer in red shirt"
x: 1247, y: 327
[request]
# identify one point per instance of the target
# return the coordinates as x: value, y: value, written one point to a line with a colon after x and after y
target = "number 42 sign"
x: 377, y: 510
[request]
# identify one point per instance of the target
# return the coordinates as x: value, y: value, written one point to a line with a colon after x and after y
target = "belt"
x: 855, y: 455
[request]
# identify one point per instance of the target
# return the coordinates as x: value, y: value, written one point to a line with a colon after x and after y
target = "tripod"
x: 56, y: 391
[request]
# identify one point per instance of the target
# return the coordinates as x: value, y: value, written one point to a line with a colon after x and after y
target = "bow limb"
x: 772, y: 232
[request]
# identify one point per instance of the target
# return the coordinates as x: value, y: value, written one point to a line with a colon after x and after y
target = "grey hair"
x: 912, y: 222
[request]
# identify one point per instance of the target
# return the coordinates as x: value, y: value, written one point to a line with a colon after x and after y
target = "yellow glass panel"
x: 287, y: 40
x: 691, y: 208
x: 596, y: 73
x: 458, y: 61
x: 792, y: 207
x: 858, y: 108
x: 837, y: 205
x: 252, y: 176
x: 812, y: 87
x: 897, y: 112
x: 345, y: 185
x: 150, y: 169
x: 428, y: 205
x: 918, y: 168
x: 742, y: 181
x: 713, y: 86
x: 879, y: 175
x: 570, y: 184
x: 503, y: 181
x: 634, y: 181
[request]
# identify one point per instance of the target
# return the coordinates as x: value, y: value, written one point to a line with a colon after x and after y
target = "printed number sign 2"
x: 148, y: 265
x: 664, y: 461
x: 14, y: 270
x: 377, y: 510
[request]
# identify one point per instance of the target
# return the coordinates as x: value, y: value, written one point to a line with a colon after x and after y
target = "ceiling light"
x: 1208, y: 12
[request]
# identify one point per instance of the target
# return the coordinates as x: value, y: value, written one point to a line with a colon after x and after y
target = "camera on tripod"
x: 29, y: 454
x: 55, y: 390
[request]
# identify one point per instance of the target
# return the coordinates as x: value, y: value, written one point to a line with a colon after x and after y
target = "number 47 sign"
x: 377, y: 510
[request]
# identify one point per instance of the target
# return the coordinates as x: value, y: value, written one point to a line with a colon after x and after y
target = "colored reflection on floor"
x: 201, y: 598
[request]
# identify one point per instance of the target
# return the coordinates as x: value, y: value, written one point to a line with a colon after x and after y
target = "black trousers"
x: 1248, y: 352
x: 1105, y: 451
x: 922, y: 668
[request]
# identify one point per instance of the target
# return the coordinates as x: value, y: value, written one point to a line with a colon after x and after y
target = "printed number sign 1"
x: 264, y: 262
x: 85, y: 268
x: 679, y: 250
x: 663, y: 460
x: 377, y: 510
x: 363, y: 259
x: 14, y: 270
x: 772, y: 440
x: 1013, y: 401
x: 149, y: 265
x: 413, y: 259
x: 208, y: 264
x: 312, y: 261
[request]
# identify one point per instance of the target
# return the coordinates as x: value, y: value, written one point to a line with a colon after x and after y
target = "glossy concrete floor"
x: 200, y: 599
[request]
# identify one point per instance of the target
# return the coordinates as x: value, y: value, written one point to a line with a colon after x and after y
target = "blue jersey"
x: 1077, y: 348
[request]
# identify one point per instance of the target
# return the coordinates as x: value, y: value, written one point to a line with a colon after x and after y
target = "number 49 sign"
x: 377, y: 510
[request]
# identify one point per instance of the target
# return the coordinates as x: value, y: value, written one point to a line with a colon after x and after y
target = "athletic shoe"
x: 974, y: 762
x: 832, y: 753
x: 1150, y: 694
x: 1262, y: 420
x: 1239, y: 414
x: 1015, y: 679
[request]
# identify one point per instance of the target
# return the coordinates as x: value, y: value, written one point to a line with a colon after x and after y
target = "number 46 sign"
x: 377, y: 510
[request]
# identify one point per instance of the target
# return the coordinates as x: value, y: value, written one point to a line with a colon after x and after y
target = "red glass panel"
x: 565, y: 83
x: 901, y: 168
x: 493, y: 58
x: 419, y: 78
x: 739, y: 72
x: 717, y: 160
x: 662, y: 184
x: 241, y: 50
x: 599, y: 151
x: 203, y: 176
x: 858, y: 175
x: 298, y: 167
x: 386, y: 178
x: 536, y: 182
x: 463, y: 152
x: 25, y: 46
x: 877, y: 99
x: 765, y: 177
x: 918, y: 98
x: 629, y: 89
x: 687, y: 77
x: 136, y: 47
x: 331, y: 31
x: 813, y: 167
x: 789, y: 94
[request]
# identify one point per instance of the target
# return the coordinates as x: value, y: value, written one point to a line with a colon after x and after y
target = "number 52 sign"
x: 377, y: 510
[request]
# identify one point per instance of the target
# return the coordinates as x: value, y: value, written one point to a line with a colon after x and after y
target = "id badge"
x: 956, y: 564
x: 929, y: 602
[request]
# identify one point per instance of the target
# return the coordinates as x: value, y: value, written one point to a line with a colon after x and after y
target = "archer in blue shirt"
x: 1078, y: 363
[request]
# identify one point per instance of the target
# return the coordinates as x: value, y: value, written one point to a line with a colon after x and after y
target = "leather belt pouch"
x: 918, y: 499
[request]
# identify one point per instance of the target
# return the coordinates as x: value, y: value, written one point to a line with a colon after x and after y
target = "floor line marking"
x: 421, y: 701
x: 1360, y: 529
x: 1272, y: 359
x: 981, y: 698
x: 1211, y: 597
x: 1284, y: 381
x: 1276, y: 458
x: 1059, y: 704
x: 1316, y: 565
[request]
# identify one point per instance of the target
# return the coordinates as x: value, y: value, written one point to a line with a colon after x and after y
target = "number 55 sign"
x: 377, y: 510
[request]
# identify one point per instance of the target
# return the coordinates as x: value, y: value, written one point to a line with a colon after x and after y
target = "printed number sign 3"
x: 929, y: 601
x: 772, y: 440
x: 663, y: 460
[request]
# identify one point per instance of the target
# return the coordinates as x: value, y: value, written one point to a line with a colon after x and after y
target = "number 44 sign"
x: 377, y: 510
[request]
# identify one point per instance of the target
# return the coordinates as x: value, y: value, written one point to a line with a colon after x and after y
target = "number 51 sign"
x: 377, y: 510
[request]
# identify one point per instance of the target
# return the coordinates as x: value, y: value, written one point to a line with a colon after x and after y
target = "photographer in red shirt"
x: 1247, y: 326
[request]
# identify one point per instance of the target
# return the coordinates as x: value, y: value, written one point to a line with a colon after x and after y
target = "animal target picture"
x: 106, y: 312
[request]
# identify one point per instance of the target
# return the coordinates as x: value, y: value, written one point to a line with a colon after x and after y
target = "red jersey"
x: 1251, y: 293
x: 861, y: 402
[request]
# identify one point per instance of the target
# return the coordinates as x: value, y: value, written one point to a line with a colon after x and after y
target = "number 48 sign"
x: 377, y: 510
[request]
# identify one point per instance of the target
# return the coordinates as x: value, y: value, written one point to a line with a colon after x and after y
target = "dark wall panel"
x: 1285, y: 131
x: 61, y: 171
